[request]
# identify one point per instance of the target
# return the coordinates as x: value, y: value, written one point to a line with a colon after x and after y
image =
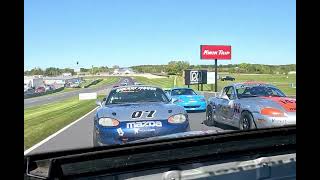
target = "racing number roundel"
x: 138, y: 114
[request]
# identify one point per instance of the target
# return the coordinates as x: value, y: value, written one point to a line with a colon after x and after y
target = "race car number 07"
x: 138, y: 114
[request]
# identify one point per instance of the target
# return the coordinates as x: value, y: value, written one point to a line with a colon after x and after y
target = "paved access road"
x: 61, y: 96
x: 79, y: 135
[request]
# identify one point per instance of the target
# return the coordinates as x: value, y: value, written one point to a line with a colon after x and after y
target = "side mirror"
x: 104, y: 99
x: 225, y: 97
x: 98, y: 103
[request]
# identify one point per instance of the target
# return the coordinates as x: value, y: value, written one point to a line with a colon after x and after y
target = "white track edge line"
x: 56, y: 133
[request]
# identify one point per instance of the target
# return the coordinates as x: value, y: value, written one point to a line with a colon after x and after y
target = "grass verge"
x: 281, y: 81
x: 106, y: 81
x: 42, y: 121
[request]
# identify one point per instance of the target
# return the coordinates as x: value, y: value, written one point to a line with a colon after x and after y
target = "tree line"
x: 52, y: 71
x: 177, y: 67
x: 174, y: 68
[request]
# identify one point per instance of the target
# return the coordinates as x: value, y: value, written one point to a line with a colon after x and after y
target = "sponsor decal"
x: 120, y: 132
x: 136, y: 130
x: 288, y: 104
x: 262, y: 121
x: 135, y: 89
x: 286, y: 101
x: 237, y: 107
x: 143, y: 124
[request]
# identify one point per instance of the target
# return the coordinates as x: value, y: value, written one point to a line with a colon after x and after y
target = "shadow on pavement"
x: 221, y: 126
x: 195, y: 111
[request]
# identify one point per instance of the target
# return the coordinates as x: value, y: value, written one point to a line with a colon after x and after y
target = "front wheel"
x: 209, y: 117
x: 246, y: 121
x: 94, y: 139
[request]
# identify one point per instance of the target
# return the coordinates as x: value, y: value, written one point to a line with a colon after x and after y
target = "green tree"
x: 52, y: 71
x: 115, y: 67
x: 177, y: 67
x: 36, y: 71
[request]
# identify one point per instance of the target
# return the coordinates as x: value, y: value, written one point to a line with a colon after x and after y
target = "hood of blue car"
x: 140, y: 111
x: 188, y: 98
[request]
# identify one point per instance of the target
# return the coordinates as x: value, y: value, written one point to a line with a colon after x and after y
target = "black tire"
x: 209, y: 117
x: 246, y: 121
x: 94, y: 139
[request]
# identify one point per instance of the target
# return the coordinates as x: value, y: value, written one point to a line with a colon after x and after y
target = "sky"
x: 58, y: 33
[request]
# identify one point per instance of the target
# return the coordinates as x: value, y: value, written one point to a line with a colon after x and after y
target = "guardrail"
x: 26, y: 96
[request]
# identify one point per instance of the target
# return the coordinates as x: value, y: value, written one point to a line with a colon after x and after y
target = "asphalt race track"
x: 79, y: 135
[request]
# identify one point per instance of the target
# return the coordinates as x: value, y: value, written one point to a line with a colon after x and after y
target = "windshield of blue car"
x: 136, y: 95
x: 255, y: 91
x: 178, y: 92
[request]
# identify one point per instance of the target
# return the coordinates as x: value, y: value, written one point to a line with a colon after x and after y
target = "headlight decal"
x: 178, y: 118
x: 108, y: 122
x: 268, y: 111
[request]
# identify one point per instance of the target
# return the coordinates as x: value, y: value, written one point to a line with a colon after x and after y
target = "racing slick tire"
x: 209, y: 117
x: 246, y: 121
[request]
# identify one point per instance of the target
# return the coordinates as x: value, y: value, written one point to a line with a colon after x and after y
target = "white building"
x: 61, y: 81
x: 122, y: 71
x: 33, y: 82
x: 292, y: 72
x: 66, y: 74
x: 116, y: 71
x: 127, y: 71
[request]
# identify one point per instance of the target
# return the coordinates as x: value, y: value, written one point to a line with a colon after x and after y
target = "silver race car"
x: 251, y: 105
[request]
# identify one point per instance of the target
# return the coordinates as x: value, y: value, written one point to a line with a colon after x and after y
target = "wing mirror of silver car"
x: 225, y: 97
x: 98, y: 103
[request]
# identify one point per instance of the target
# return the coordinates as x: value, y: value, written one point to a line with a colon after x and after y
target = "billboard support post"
x: 216, y: 75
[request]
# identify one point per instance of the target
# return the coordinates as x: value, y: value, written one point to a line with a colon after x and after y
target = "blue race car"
x: 131, y: 113
x: 188, y: 99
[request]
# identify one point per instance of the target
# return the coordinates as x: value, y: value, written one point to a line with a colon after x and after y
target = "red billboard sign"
x: 215, y: 52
